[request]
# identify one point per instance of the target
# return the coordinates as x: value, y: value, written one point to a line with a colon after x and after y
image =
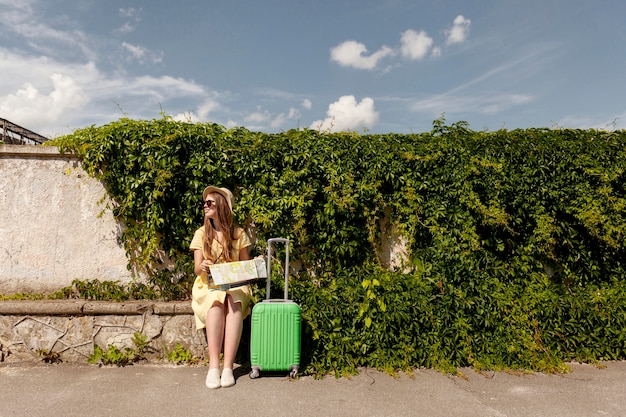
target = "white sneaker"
x: 228, y: 379
x: 213, y: 378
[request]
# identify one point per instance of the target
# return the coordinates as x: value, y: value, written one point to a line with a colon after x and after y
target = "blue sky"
x: 273, y: 65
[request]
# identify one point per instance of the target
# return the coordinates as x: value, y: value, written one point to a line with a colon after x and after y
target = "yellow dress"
x: 202, y: 297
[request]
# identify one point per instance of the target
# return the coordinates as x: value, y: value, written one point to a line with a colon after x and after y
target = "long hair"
x: 225, y: 223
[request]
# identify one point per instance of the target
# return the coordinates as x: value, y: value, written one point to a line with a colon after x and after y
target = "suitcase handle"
x: 269, y: 266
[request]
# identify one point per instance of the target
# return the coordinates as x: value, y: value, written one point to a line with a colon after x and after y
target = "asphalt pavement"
x: 166, y: 390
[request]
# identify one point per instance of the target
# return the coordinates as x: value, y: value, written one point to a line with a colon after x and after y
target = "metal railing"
x: 12, y: 134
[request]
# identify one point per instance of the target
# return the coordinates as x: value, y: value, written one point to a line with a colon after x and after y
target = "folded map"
x: 231, y: 272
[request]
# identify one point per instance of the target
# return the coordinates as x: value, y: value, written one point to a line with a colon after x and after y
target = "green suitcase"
x: 275, y: 327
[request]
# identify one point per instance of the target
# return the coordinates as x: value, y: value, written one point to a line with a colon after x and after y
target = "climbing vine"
x: 515, y: 239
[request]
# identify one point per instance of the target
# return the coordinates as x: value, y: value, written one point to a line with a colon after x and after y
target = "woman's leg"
x: 232, y: 332
x: 215, y: 333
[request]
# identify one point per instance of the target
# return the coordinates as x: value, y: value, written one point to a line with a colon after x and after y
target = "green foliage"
x: 396, y: 321
x: 141, y: 342
x: 21, y: 296
x: 515, y: 238
x: 113, y: 355
x: 180, y: 355
x: 157, y: 288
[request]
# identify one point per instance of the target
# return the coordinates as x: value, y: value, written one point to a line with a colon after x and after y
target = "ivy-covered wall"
x: 515, y: 238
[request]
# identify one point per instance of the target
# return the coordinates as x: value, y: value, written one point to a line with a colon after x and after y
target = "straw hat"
x: 224, y: 192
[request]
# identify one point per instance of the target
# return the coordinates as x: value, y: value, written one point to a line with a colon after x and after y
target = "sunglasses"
x: 207, y: 203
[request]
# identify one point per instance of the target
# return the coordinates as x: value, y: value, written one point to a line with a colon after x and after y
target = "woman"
x: 221, y: 312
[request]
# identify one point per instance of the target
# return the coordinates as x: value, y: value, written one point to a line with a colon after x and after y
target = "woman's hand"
x: 200, y: 264
x: 205, y: 266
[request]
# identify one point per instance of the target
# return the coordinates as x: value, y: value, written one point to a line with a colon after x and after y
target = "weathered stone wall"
x: 71, y: 328
x: 53, y: 228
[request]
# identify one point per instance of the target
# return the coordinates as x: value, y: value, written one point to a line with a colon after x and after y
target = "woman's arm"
x: 244, y: 255
x: 200, y: 264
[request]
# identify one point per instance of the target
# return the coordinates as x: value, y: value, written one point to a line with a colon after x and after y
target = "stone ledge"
x: 92, y: 308
x: 72, y: 328
x: 35, y: 151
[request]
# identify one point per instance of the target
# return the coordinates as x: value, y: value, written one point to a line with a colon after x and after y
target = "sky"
x: 375, y: 66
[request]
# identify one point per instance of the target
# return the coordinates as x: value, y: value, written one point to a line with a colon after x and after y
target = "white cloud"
x: 202, y: 114
x: 30, y: 106
x: 127, y: 27
x: 587, y: 122
x: 54, y: 85
x: 258, y: 117
x: 189, y: 117
x: 21, y: 19
x: 459, y: 31
x: 209, y: 106
x: 43, y: 94
x: 230, y: 123
x: 485, y: 104
x: 499, y: 102
x: 158, y: 86
x: 415, y: 45
x: 133, y: 15
x: 346, y: 114
x: 306, y: 103
x: 138, y: 53
x: 283, y: 118
x: 353, y: 54
x: 129, y: 13
x: 262, y: 118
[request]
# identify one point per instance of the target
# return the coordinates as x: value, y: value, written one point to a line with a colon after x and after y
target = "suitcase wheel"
x: 254, y: 373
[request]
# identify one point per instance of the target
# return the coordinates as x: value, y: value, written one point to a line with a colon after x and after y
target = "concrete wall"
x: 52, y: 228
